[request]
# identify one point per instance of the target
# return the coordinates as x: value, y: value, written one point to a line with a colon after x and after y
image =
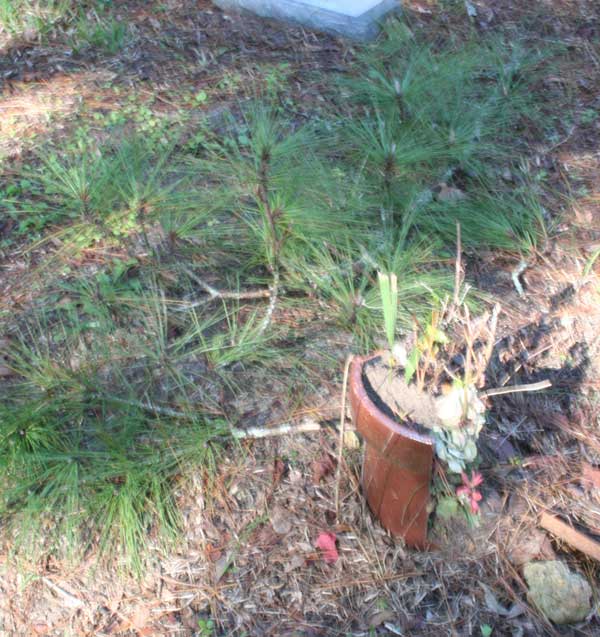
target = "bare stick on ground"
x: 570, y: 535
x: 338, y: 473
x: 216, y: 294
x: 252, y: 432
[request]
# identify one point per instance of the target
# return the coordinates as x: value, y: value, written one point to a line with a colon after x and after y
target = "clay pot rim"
x: 361, y: 393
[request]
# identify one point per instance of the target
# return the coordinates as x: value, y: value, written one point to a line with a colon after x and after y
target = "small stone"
x: 561, y: 595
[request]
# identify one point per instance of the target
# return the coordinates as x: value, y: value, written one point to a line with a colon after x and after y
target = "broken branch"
x: 214, y: 293
x: 568, y: 534
x: 499, y: 391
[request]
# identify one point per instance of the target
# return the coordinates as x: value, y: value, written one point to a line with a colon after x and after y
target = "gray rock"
x: 562, y: 595
x: 356, y: 19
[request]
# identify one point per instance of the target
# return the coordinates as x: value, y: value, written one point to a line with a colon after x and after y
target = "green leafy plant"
x: 425, y: 350
x: 90, y: 443
x: 443, y: 116
x: 206, y: 627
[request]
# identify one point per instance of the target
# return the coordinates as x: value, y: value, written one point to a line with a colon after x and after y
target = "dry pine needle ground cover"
x: 247, y: 563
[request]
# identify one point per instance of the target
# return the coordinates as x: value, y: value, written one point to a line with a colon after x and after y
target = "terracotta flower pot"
x: 397, y: 465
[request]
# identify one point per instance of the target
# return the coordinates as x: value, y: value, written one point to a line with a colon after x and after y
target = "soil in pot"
x: 399, y: 400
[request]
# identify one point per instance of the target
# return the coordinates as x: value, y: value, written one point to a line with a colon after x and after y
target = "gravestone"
x: 356, y: 19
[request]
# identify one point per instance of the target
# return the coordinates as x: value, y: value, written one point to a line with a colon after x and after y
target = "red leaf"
x: 476, y: 479
x: 326, y: 542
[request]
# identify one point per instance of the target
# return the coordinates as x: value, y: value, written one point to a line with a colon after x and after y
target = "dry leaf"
x: 448, y: 193
x: 222, y: 564
x: 351, y: 440
x: 212, y: 552
x: 281, y: 520
x: 140, y: 619
x: 295, y: 476
x: 297, y: 561
x: 531, y: 545
x: 326, y: 542
x: 380, y: 617
x: 491, y: 602
x: 278, y: 471
x: 323, y: 467
x: 590, y: 476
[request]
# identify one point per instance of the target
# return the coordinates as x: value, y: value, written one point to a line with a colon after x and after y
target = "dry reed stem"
x: 338, y: 472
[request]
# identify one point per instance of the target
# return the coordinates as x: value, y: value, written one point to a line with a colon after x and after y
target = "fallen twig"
x: 147, y: 406
x: 252, y: 432
x: 214, y: 293
x: 69, y: 600
x: 516, y: 274
x: 491, y: 340
x: 514, y: 389
x: 571, y: 536
x: 458, y: 266
x: 279, y: 430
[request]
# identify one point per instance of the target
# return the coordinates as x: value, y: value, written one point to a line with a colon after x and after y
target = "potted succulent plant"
x: 417, y: 405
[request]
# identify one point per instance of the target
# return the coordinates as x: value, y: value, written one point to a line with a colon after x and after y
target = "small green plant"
x: 107, y: 35
x: 99, y: 194
x: 425, y: 351
x: 206, y: 627
x: 589, y: 116
x: 450, y: 335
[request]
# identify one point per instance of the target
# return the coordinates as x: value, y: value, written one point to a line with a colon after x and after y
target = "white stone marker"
x: 357, y: 19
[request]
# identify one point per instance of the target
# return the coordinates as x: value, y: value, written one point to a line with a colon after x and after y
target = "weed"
x: 206, y: 628
x: 37, y: 17
x: 107, y: 35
